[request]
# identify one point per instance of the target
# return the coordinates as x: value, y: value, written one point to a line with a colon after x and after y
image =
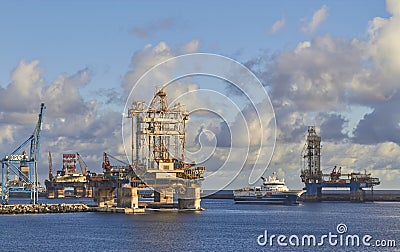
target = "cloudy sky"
x: 332, y: 64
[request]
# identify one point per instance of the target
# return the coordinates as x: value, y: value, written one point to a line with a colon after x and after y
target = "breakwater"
x: 43, y: 208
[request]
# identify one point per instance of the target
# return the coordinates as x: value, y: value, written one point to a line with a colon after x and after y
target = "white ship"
x: 272, y: 191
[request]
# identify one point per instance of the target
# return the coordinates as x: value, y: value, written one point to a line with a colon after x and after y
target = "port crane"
x: 82, y: 164
x: 23, y: 165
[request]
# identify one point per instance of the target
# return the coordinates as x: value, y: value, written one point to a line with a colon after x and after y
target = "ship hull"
x: 282, y: 198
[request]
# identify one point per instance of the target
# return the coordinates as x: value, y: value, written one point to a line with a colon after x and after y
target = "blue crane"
x: 24, y: 165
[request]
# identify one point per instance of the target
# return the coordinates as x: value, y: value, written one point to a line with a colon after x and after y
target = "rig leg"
x: 51, y: 192
x: 104, y: 196
x: 60, y: 192
x: 127, y: 197
x: 190, y: 199
x: 357, y: 195
x: 164, y: 195
x: 314, y: 193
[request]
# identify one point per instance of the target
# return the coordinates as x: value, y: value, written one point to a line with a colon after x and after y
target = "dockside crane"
x: 14, y: 162
x: 82, y: 164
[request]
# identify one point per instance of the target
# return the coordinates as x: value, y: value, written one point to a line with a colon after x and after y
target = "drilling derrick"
x: 158, y: 148
x: 312, y: 157
x: 159, y: 130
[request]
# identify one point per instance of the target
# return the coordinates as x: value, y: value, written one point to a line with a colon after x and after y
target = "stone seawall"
x: 43, y: 208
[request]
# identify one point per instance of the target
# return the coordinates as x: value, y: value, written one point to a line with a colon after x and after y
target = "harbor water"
x: 223, y: 226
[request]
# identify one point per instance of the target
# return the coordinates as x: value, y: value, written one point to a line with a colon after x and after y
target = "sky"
x: 332, y: 64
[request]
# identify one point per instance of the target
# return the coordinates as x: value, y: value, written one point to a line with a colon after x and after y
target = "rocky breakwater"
x: 43, y: 208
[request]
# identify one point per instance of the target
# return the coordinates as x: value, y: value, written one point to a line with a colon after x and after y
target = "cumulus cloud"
x: 327, y: 74
x: 318, y: 17
x: 381, y: 125
x: 278, y: 25
x: 383, y: 45
x: 381, y: 83
x: 71, y: 122
x: 25, y: 88
x: 331, y: 126
x: 321, y: 79
x: 314, y: 75
x: 148, y: 57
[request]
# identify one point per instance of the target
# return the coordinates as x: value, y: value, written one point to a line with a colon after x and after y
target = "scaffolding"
x: 158, y: 144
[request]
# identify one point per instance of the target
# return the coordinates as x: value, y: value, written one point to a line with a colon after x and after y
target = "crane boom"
x: 50, y: 167
x: 82, y: 164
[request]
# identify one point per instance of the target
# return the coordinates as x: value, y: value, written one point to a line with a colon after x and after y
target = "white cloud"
x: 6, y: 134
x: 393, y: 6
x: 383, y: 45
x: 278, y: 25
x: 148, y: 57
x: 302, y: 45
x: 71, y: 123
x: 191, y: 47
x: 318, y: 17
x: 320, y: 80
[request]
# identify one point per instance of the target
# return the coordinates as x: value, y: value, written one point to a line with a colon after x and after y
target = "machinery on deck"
x: 160, y: 150
x: 314, y: 179
x: 158, y: 161
x: 68, y: 181
x: 23, y: 165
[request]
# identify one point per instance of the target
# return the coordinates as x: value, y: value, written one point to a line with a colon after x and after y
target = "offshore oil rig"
x: 315, y: 180
x: 68, y: 181
x: 158, y: 161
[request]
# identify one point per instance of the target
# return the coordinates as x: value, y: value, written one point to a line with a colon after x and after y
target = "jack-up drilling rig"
x: 314, y: 179
x: 158, y: 161
x: 68, y: 178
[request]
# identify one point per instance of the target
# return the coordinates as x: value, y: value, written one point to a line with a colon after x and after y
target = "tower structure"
x: 158, y: 151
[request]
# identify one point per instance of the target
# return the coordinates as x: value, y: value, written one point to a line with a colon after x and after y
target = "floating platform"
x: 368, y: 196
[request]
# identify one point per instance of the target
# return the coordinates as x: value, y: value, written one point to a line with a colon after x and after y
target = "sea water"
x: 223, y: 226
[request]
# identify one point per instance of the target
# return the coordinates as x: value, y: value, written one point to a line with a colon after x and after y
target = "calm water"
x: 224, y: 226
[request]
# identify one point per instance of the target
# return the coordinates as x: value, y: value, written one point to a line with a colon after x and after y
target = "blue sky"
x: 329, y: 63
x: 68, y: 35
